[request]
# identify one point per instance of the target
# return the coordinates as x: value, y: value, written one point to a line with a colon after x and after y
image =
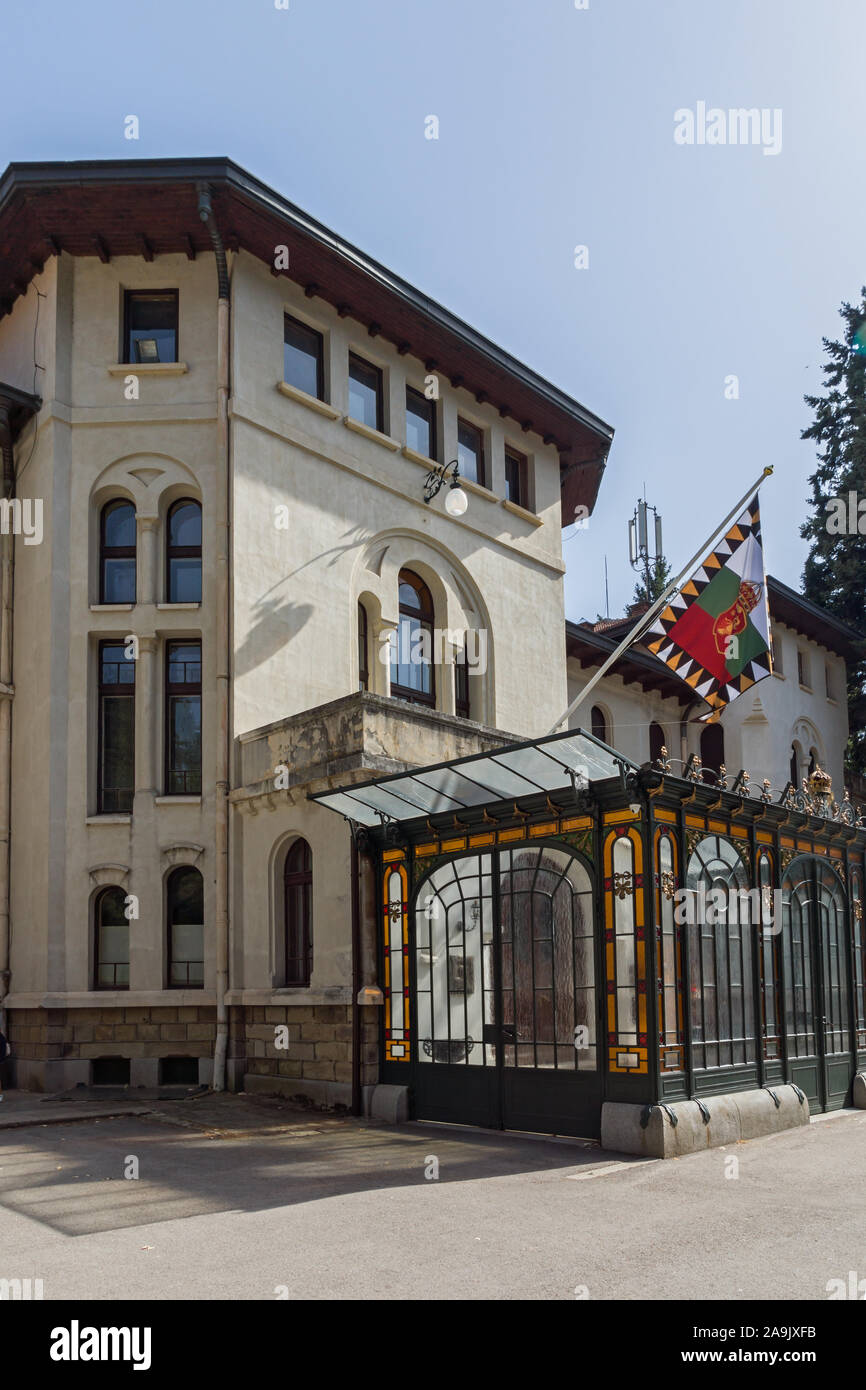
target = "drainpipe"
x: 356, y: 976
x: 7, y: 573
x: 223, y: 645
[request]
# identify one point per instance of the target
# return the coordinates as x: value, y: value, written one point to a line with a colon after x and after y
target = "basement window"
x: 111, y: 1071
x: 150, y: 326
x: 178, y: 1071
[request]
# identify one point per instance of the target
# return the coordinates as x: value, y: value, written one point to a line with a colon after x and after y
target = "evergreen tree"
x: 651, y: 585
x: 835, y: 571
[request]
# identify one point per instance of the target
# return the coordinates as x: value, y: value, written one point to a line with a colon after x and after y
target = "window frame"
x: 430, y: 407
x: 355, y: 357
x: 183, y: 552
x: 172, y: 878
x: 320, y: 355
x: 117, y: 690
x: 98, y: 900
x: 426, y: 620
x: 125, y: 345
x: 300, y: 878
x: 117, y: 552
x: 522, y: 461
x: 481, y: 455
x: 181, y: 689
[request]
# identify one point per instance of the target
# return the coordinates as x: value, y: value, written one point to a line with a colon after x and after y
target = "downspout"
x: 7, y: 575
x: 223, y: 645
x: 356, y: 975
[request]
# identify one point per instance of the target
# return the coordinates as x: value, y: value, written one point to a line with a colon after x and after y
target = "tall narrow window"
x: 470, y: 451
x: 598, y: 723
x: 185, y: 929
x: 516, y: 489
x: 712, y: 748
x: 803, y: 668
x: 116, y: 738
x: 117, y: 553
x: 795, y: 766
x: 412, y: 644
x: 184, y: 552
x: 111, y: 955
x: 828, y: 681
x: 365, y: 393
x: 150, y: 326
x: 656, y: 741
x: 363, y: 658
x: 420, y: 423
x: 303, y: 358
x: 183, y: 718
x: 461, y: 681
x: 298, y: 888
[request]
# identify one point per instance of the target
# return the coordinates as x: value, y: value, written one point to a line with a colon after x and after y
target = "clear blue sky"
x: 556, y: 129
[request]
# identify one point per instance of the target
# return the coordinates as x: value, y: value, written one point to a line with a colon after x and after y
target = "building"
x: 225, y: 422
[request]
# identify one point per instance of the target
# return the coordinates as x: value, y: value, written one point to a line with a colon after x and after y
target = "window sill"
x: 149, y: 369
x: 177, y: 607
x: 293, y: 393
x: 110, y: 818
x: 522, y: 512
x: 177, y: 801
x: 478, y: 489
x: 111, y: 607
x: 424, y: 461
x: 780, y: 675
x: 357, y: 427
x: 806, y: 689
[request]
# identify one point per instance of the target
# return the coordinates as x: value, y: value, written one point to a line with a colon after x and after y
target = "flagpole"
x: 646, y: 618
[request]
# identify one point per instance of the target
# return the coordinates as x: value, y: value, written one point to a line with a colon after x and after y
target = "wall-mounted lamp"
x: 456, y: 502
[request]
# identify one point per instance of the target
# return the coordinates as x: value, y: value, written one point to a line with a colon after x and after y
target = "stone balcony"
x: 352, y: 739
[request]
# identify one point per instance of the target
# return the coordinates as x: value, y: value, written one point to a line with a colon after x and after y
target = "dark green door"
x: 817, y: 986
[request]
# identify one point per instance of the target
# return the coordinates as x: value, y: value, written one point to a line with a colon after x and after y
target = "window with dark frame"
x: 303, y: 358
x: 515, y: 478
x: 412, y: 672
x: 150, y: 326
x: 185, y: 902
x: 363, y: 658
x: 111, y: 946
x: 598, y: 724
x: 712, y: 748
x: 116, y: 731
x: 117, y: 552
x: 183, y: 718
x: 802, y: 668
x: 183, y: 552
x: 365, y: 393
x: 461, y: 681
x: 297, y: 907
x: 420, y: 423
x: 656, y: 741
x: 470, y: 452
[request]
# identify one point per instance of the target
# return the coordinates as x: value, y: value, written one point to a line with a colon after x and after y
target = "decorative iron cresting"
x: 815, y: 797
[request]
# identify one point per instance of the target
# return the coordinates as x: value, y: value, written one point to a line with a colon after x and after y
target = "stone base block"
x: 322, y: 1092
x: 859, y: 1090
x: 144, y: 1071
x: 388, y: 1103
x: 734, y: 1116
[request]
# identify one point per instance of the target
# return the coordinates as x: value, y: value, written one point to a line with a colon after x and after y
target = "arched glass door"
x: 506, y: 992
x: 816, y: 982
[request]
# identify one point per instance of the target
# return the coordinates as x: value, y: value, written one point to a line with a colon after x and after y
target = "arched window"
x: 363, y: 657
x: 712, y: 747
x: 598, y: 723
x: 795, y: 767
x: 813, y: 760
x: 718, y: 912
x: 111, y: 957
x: 656, y: 740
x: 297, y: 909
x: 185, y: 891
x: 412, y: 676
x: 183, y: 552
x: 117, y: 552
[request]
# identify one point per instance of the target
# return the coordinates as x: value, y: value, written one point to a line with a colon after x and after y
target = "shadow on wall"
x: 274, y: 624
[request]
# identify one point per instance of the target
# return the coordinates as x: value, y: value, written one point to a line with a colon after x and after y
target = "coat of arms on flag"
x: 715, y: 633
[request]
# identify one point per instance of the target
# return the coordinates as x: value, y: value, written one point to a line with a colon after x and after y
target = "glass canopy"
x: 517, y: 770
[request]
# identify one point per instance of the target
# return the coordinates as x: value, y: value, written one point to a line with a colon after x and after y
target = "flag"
x: 715, y: 633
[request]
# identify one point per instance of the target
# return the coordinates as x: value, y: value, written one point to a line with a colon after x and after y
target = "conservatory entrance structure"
x: 570, y: 944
